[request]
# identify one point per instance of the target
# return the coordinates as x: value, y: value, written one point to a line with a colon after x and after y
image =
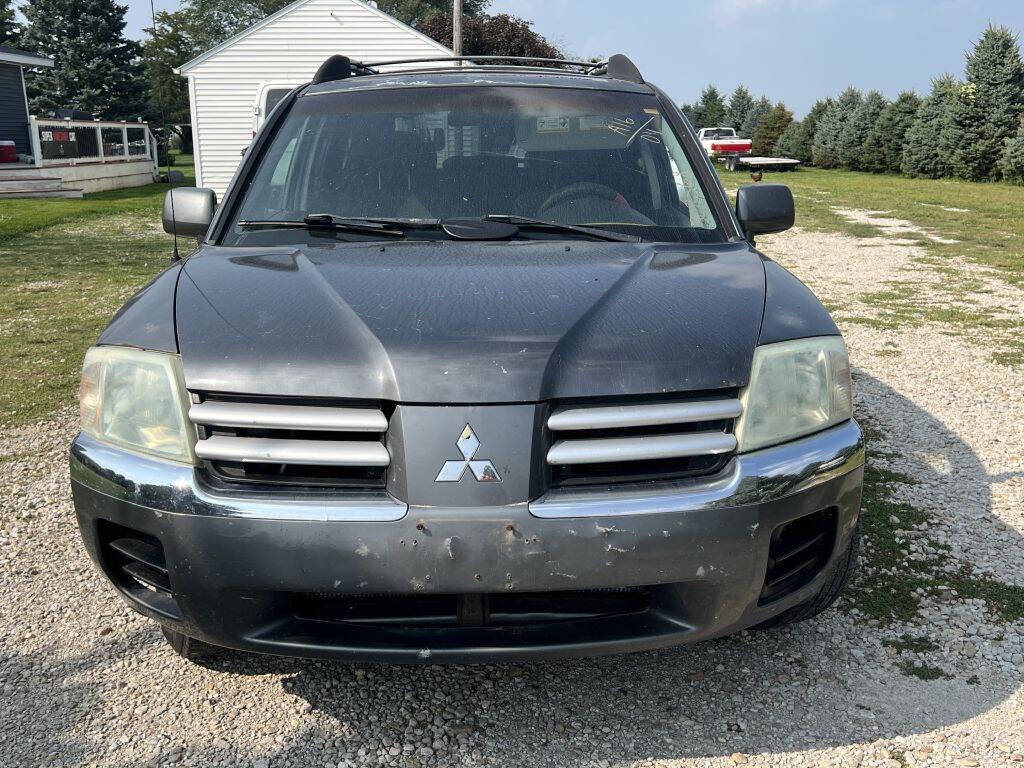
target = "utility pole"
x: 457, y: 27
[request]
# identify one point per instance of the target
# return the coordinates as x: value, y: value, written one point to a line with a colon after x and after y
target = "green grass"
x: 924, y: 672
x: 912, y: 644
x: 65, y: 267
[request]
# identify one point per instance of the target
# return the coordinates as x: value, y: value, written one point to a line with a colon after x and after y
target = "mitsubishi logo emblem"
x: 483, y: 471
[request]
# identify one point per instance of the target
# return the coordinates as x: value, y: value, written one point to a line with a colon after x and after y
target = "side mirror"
x: 765, y: 208
x: 188, y: 211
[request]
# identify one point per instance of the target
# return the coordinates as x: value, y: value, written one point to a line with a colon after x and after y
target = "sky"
x: 795, y: 51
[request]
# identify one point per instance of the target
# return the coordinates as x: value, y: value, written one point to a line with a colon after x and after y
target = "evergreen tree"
x: 96, y: 68
x: 690, y: 111
x: 855, y: 131
x: 710, y: 110
x: 416, y: 12
x: 769, y: 129
x: 1011, y: 162
x: 986, y: 110
x: 797, y: 139
x: 883, y: 147
x: 10, y: 32
x: 923, y: 154
x: 760, y: 108
x: 825, y: 146
x: 740, y: 104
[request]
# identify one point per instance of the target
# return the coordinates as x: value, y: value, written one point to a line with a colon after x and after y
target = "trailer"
x: 761, y: 163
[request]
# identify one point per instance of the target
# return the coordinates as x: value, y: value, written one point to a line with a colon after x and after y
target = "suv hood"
x: 443, y: 321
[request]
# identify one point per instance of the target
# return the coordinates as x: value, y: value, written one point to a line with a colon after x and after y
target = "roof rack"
x: 617, y: 67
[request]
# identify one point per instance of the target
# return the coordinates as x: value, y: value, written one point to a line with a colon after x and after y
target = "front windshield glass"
x: 602, y: 159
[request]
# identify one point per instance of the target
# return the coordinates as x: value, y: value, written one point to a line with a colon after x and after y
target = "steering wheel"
x: 582, y: 189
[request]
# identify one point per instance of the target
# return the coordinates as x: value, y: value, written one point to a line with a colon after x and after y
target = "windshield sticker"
x: 593, y: 122
x: 627, y: 127
x: 552, y: 125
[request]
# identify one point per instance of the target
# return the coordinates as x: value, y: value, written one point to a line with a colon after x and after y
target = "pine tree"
x: 825, y: 146
x: 740, y: 104
x: 923, y: 153
x: 855, y: 131
x: 797, y: 139
x: 883, y: 147
x: 10, y: 31
x: 710, y: 110
x: 760, y: 108
x: 985, y: 110
x: 96, y: 69
x: 690, y: 112
x: 1011, y: 162
x: 769, y: 129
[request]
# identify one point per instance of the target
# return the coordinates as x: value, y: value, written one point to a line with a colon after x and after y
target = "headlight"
x: 136, y: 400
x: 796, y: 388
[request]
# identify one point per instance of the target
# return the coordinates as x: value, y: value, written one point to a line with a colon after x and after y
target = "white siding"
x: 289, y: 48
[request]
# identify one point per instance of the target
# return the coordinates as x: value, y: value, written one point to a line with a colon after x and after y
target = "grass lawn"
x: 65, y: 266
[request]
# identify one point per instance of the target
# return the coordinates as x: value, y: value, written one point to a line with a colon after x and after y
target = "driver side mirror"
x: 765, y: 208
x: 188, y: 211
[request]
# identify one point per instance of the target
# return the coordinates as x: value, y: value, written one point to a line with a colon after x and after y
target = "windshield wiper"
x: 524, y: 222
x: 330, y: 221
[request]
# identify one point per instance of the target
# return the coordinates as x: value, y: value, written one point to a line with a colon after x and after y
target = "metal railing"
x: 72, y: 142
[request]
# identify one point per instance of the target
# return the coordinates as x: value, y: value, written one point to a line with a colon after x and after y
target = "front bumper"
x: 239, y: 567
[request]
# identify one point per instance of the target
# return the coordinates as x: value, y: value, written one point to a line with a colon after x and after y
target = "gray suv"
x: 474, y: 362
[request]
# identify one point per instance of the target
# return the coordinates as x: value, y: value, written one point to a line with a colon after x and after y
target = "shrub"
x: 856, y: 129
x: 883, y: 147
x: 825, y: 145
x: 923, y: 155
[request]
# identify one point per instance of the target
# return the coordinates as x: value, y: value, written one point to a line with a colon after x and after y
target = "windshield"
x: 601, y: 159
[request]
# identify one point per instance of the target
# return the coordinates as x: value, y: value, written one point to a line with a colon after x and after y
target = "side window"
x: 280, y: 175
x: 271, y: 98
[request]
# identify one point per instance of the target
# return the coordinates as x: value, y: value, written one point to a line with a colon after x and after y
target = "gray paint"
x: 13, y: 115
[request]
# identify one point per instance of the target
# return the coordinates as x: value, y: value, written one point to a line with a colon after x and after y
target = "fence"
x: 70, y: 142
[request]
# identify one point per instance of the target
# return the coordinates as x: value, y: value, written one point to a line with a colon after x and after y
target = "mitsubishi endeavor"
x: 474, y: 362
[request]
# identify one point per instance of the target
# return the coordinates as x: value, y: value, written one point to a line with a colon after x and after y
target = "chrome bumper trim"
x: 168, y: 487
x: 751, y: 478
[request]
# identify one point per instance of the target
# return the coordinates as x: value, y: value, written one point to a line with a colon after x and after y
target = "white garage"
x: 232, y: 86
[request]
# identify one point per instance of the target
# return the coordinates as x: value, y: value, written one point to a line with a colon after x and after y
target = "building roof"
x: 189, y: 65
x: 9, y: 55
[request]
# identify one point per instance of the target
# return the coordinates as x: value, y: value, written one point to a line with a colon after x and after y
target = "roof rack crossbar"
x: 617, y: 67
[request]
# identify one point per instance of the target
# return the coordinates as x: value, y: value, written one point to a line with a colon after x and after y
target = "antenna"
x: 167, y: 140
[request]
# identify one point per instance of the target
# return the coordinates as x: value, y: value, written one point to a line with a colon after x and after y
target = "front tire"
x: 835, y: 582
x: 188, y: 647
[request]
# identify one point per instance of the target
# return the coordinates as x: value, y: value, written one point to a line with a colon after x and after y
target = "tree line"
x: 100, y: 71
x: 970, y: 129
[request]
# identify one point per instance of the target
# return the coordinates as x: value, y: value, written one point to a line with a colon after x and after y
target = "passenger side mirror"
x: 188, y: 211
x: 765, y: 208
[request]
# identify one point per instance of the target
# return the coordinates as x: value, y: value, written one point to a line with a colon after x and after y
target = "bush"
x: 1011, y: 161
x: 922, y: 152
x: 883, y: 147
x: 769, y: 129
x: 825, y: 146
x: 858, y: 126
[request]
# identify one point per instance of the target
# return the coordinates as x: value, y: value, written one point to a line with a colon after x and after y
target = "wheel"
x: 835, y: 582
x: 188, y: 647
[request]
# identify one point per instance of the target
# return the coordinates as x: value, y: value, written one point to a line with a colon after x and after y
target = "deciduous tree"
x: 415, y: 12
x: 484, y: 35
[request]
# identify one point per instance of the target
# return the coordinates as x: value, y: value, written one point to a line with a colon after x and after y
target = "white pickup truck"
x: 723, y: 142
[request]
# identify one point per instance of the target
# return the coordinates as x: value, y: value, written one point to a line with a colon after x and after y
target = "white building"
x: 231, y: 85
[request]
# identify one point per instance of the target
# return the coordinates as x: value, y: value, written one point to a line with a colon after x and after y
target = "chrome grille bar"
x: 310, y: 452
x: 300, y: 417
x: 641, y: 448
x: 643, y: 415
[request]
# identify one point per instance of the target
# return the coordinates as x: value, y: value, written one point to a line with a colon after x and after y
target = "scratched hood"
x: 435, y: 322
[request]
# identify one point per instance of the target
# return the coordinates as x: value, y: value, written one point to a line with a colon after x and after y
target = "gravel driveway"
x: 85, y: 681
